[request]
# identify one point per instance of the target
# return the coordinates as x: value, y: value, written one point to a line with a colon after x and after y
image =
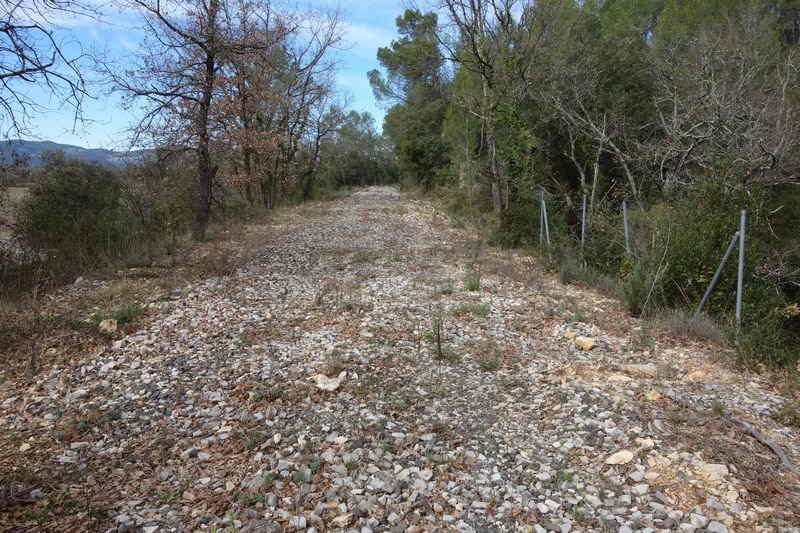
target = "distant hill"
x: 35, y: 150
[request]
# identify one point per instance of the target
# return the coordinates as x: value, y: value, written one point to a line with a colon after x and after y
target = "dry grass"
x: 53, y: 323
x: 687, y: 325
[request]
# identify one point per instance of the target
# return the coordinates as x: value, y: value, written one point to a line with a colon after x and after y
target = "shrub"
x: 519, y: 226
x: 764, y: 340
x: 571, y: 270
x: 637, y: 289
x: 80, y: 215
x: 160, y: 196
x: 472, y: 280
x: 74, y: 214
x: 789, y: 414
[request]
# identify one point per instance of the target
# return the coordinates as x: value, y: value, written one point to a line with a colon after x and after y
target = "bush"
x: 80, y: 215
x: 74, y: 214
x: 160, y: 196
x: 571, y: 270
x: 520, y: 224
x: 678, y: 245
x: 764, y: 340
x: 472, y: 280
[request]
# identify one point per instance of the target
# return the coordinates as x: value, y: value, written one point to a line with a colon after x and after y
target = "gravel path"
x: 307, y: 392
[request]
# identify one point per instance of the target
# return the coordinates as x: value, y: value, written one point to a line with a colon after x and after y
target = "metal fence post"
x: 717, y: 274
x: 740, y: 277
x: 544, y: 219
x: 541, y: 221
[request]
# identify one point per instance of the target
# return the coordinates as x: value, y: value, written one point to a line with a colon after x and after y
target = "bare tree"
x: 725, y: 108
x: 33, y: 55
x: 303, y: 93
x: 177, y: 78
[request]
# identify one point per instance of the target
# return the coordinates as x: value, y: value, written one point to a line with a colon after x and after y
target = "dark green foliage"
x: 356, y: 155
x: 638, y: 287
x: 416, y: 135
x: 415, y: 83
x: 619, y: 100
x: 75, y: 214
x: 160, y: 194
x: 518, y: 227
x: 764, y: 340
x: 80, y: 215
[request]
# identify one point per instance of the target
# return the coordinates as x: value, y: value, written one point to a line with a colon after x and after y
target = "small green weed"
x: 555, y: 310
x: 127, y: 313
x: 472, y: 280
x: 437, y: 330
x: 445, y: 288
x: 644, y: 338
x: 99, y: 514
x: 365, y: 256
x: 40, y: 515
x: 301, y: 477
x: 472, y: 308
x: 579, y: 315
x: 449, y: 356
x: 254, y: 440
x: 489, y: 362
x: 123, y: 314
x: 166, y: 497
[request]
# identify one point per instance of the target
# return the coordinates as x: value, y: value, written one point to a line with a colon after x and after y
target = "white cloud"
x: 364, y: 40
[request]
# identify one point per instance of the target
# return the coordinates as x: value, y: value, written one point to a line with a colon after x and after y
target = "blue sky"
x: 367, y: 26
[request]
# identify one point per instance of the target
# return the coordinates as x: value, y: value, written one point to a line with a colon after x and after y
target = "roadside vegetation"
x: 685, y: 112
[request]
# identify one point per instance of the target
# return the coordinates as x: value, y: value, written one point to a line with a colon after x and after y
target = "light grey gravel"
x: 508, y: 430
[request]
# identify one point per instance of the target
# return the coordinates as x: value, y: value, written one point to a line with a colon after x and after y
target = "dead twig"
x: 760, y: 437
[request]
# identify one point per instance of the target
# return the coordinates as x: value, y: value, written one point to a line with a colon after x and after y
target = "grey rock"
x: 698, y: 520
x: 636, y: 476
x: 716, y: 527
x: 271, y: 500
x: 593, y: 500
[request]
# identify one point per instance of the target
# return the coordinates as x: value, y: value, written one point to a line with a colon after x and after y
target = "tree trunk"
x: 205, y: 178
x: 497, y: 201
x: 205, y: 173
x: 203, y: 207
x: 247, y: 150
x: 491, y: 146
